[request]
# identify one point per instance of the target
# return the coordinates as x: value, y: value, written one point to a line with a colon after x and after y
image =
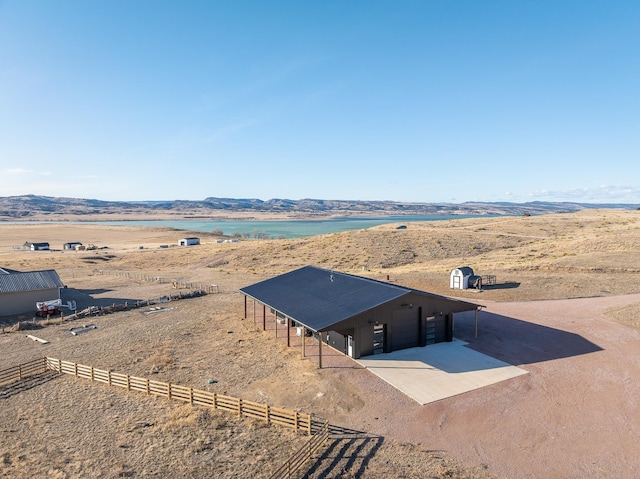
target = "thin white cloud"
x: 601, y: 194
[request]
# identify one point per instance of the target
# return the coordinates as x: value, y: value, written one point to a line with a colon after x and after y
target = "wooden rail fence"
x: 21, y: 371
x: 196, y: 397
x: 317, y: 428
x: 304, y: 455
x: 114, y: 308
x: 177, y: 284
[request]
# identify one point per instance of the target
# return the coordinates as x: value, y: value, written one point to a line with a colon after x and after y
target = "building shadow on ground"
x: 85, y: 298
x: 519, y: 342
x: 347, y: 455
x: 507, y: 285
x: 30, y: 382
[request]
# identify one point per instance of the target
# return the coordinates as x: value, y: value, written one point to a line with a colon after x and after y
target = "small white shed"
x: 72, y: 245
x: 189, y: 241
x: 459, y: 278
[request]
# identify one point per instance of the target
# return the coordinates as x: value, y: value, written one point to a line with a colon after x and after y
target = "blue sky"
x: 417, y: 101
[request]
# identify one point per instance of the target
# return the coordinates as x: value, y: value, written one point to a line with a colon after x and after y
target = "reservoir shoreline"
x: 273, y: 228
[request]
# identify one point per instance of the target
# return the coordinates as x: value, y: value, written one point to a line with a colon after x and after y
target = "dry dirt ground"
x: 565, y: 308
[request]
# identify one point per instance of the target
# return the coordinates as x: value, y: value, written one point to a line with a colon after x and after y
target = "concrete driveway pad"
x: 439, y: 371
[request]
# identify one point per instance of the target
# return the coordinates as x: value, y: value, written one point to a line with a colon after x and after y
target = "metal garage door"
x: 406, y: 329
x: 436, y: 329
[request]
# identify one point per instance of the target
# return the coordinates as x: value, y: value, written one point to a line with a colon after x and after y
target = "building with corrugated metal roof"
x: 37, y: 246
x: 356, y: 315
x: 19, y: 291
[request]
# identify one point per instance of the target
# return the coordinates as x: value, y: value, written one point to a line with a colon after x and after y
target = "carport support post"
x: 304, y: 333
x: 476, y: 322
x: 319, y: 349
x: 245, y: 307
x: 264, y: 317
x: 286, y: 321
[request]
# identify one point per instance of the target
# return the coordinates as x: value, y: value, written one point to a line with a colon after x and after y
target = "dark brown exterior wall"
x: 361, y: 325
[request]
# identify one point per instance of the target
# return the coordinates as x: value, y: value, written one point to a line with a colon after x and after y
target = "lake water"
x: 284, y: 228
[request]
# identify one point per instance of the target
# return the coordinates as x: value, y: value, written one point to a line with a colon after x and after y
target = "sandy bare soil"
x: 575, y: 414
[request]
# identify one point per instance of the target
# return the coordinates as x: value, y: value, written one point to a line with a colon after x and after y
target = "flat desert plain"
x: 565, y: 308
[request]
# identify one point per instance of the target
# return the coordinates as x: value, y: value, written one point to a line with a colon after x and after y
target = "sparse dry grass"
x: 591, y: 253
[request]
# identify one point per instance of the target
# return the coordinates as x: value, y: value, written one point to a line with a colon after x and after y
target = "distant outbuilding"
x: 189, y: 241
x: 71, y: 246
x: 36, y: 246
x: 20, y: 291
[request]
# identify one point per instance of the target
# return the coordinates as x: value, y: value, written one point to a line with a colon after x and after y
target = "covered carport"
x: 355, y: 315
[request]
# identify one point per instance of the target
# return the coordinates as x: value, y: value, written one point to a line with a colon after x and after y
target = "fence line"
x: 177, y: 284
x: 317, y: 428
x: 101, y: 310
x: 304, y: 455
x: 196, y: 397
x: 21, y: 371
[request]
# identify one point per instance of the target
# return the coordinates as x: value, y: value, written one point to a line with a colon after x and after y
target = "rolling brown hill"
x: 591, y: 254
x: 47, y: 208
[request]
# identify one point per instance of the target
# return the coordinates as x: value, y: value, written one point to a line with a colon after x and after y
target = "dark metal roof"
x: 30, y: 281
x: 320, y: 298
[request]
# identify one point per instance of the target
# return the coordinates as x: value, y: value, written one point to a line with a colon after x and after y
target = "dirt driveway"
x: 576, y: 415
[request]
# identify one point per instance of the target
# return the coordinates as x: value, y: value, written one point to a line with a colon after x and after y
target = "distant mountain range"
x: 33, y: 206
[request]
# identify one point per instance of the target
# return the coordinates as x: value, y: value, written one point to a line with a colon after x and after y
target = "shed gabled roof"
x: 320, y: 298
x: 15, y: 282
